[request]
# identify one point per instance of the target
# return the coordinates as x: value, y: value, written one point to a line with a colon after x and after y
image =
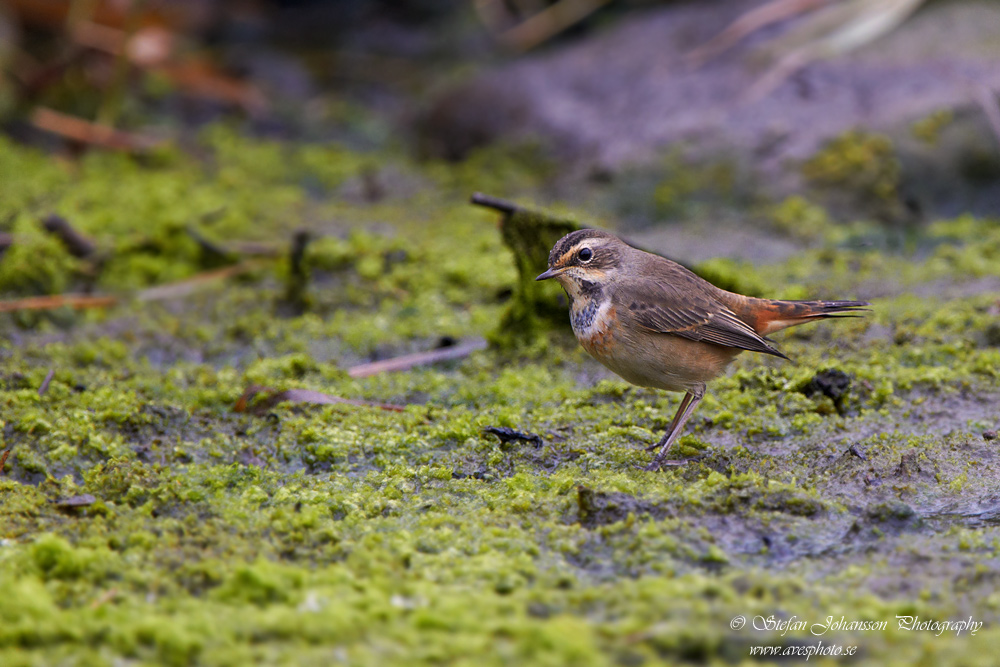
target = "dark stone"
x: 830, y: 382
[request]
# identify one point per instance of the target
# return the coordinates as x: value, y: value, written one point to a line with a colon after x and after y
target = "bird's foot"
x: 658, y: 465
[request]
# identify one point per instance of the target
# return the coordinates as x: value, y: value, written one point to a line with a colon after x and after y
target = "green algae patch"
x: 858, y: 171
x: 856, y: 160
x: 145, y: 521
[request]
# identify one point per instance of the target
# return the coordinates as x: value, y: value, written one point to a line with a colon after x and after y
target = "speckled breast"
x: 594, y: 323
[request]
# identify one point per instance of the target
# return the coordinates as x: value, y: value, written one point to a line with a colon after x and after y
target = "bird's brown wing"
x: 688, y: 310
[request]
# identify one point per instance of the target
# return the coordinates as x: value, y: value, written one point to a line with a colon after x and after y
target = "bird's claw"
x: 657, y: 465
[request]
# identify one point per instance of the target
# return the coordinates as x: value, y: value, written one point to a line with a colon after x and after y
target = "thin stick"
x: 53, y: 301
x: 991, y: 107
x: 45, y: 383
x: 549, y: 22
x: 159, y: 293
x: 85, y: 132
x: 110, y: 108
x: 185, y: 287
x: 746, y: 24
x: 497, y: 204
x: 420, y: 358
x: 76, y: 242
x: 301, y: 396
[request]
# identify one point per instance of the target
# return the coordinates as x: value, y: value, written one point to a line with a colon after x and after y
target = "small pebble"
x: 989, y: 435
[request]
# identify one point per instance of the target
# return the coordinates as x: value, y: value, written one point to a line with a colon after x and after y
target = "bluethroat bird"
x: 656, y: 324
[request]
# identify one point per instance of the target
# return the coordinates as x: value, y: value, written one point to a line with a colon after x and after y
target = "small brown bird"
x: 656, y: 324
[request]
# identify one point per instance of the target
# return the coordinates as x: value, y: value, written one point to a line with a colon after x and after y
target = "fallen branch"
x: 160, y: 293
x: 306, y: 396
x: 418, y: 359
x: 833, y: 30
x: 54, y: 301
x: 91, y: 134
x: 201, y: 79
x: 192, y: 284
x: 106, y: 597
x: 542, y: 26
x: 82, y: 500
x: 495, y: 203
x: 749, y: 23
x: 76, y: 242
x: 45, y: 383
x: 991, y: 107
x: 212, y: 253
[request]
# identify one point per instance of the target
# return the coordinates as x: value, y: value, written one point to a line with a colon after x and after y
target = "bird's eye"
x: 585, y: 254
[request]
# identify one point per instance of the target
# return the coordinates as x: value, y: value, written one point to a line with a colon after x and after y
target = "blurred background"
x: 599, y: 86
x: 274, y: 392
x: 746, y: 129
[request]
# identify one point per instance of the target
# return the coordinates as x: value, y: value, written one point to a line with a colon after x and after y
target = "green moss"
x: 929, y: 129
x: 731, y: 275
x: 856, y: 160
x: 798, y: 218
x: 372, y: 537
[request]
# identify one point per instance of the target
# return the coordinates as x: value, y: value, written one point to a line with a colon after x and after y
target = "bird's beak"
x: 551, y: 273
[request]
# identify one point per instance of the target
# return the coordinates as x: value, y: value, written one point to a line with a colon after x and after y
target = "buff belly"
x: 662, y: 361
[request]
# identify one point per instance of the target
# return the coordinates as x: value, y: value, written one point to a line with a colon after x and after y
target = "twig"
x: 991, y: 107
x: 110, y: 107
x: 212, y: 252
x: 159, y: 293
x: 105, y: 597
x: 44, y: 387
x: 185, y: 287
x: 748, y: 23
x: 3, y: 460
x: 497, y: 204
x: 549, y: 22
x: 307, y: 396
x: 298, y: 273
x: 420, y: 358
x: 201, y: 79
x: 53, y: 301
x: 6, y: 241
x: 82, y: 500
x: 833, y: 30
x: 91, y: 134
x: 254, y: 249
x: 78, y: 244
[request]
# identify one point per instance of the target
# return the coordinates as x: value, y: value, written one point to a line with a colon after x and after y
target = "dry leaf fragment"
x: 306, y: 396
x: 82, y: 500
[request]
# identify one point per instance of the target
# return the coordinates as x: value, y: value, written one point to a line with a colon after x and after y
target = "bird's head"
x: 584, y: 260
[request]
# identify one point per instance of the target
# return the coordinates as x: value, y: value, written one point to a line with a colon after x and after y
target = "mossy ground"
x: 354, y: 535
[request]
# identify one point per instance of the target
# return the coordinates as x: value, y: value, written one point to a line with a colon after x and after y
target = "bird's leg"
x: 673, y: 423
x: 692, y: 399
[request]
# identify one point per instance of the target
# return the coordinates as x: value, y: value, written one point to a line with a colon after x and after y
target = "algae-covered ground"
x: 346, y: 534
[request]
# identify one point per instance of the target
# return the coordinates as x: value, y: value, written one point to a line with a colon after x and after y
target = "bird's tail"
x: 771, y: 315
